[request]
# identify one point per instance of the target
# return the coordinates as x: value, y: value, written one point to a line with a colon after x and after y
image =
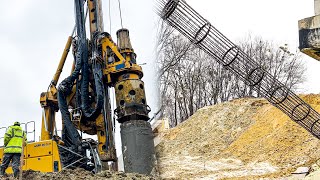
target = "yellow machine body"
x: 39, y: 156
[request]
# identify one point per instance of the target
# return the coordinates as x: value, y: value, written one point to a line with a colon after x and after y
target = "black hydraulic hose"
x: 71, y: 135
x: 64, y: 89
x: 90, y: 113
x: 85, y: 87
x: 97, y: 73
x: 83, y: 52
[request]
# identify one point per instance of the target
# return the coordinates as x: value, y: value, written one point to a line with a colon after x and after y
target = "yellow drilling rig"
x: 83, y: 99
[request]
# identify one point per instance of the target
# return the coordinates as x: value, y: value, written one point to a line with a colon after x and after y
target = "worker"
x: 14, y: 139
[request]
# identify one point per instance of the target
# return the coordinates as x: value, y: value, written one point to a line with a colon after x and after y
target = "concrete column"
x: 317, y: 7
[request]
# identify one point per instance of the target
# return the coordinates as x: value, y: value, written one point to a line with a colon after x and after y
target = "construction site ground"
x: 79, y: 174
x: 241, y: 139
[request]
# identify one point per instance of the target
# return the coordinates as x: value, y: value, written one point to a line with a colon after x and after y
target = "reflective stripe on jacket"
x: 13, y: 139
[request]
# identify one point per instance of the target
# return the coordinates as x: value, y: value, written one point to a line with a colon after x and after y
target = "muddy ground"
x: 241, y: 139
x: 80, y: 174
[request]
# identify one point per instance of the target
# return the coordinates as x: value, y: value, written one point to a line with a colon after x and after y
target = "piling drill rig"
x: 83, y: 99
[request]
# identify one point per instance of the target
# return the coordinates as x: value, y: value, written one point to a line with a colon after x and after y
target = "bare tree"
x: 284, y: 65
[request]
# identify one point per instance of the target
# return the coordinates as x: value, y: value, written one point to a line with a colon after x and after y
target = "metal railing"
x: 32, y: 131
x: 26, y: 127
x: 2, y: 136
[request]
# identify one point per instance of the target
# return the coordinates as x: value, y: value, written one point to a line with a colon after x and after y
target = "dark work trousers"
x: 15, y: 157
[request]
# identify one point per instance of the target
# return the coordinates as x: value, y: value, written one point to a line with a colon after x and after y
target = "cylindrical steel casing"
x: 138, y: 147
x: 124, y: 39
x: 131, y: 100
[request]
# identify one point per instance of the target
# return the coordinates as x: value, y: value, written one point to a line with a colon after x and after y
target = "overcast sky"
x: 274, y: 20
x: 33, y: 34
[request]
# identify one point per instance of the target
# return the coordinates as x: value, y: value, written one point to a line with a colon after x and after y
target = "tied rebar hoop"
x: 178, y: 14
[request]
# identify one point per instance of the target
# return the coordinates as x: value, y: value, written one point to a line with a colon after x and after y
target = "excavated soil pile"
x: 82, y: 174
x: 240, y: 139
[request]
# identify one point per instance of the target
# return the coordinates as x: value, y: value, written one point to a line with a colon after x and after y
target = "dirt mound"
x: 210, y: 129
x: 69, y: 174
x: 241, y: 139
x: 276, y: 138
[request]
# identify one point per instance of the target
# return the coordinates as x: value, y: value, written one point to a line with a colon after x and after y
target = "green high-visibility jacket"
x: 13, y: 139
